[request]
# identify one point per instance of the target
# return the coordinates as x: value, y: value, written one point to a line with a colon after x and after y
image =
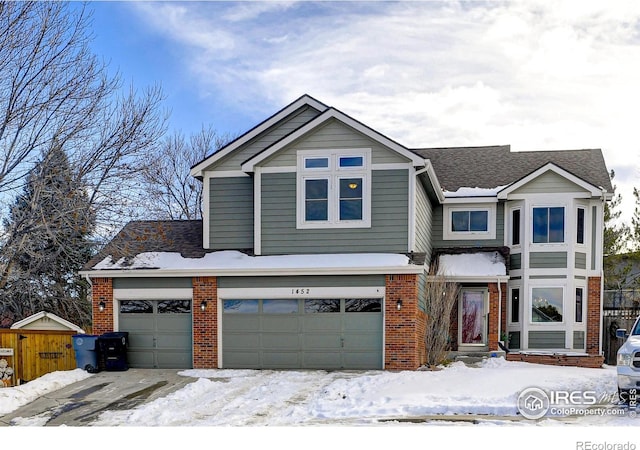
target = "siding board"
x: 548, y: 260
x: 546, y: 339
x: 231, y: 218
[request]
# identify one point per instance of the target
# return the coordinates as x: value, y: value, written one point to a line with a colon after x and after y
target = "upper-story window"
x: 580, y: 226
x: 334, y: 188
x: 548, y: 225
x: 473, y: 222
x: 515, y: 227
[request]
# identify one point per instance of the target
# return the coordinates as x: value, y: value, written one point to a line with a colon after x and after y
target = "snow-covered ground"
x: 471, y: 399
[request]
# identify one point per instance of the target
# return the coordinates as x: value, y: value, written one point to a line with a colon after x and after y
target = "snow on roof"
x: 474, y: 192
x: 477, y: 264
x: 231, y: 259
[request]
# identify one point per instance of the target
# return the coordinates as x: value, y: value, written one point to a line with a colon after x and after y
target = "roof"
x: 493, y: 166
x: 161, y: 247
x: 46, y: 315
x: 179, y: 236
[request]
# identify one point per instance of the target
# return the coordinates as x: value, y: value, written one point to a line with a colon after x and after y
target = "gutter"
x: 132, y: 273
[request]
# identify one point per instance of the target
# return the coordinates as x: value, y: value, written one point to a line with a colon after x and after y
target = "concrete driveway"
x: 80, y: 403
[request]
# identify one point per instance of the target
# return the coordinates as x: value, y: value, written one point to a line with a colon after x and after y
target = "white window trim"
x: 510, y: 305
x: 447, y: 234
x: 333, y: 173
x: 584, y: 226
x: 510, y: 222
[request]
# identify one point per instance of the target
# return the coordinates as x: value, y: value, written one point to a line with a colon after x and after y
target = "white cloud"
x: 536, y: 74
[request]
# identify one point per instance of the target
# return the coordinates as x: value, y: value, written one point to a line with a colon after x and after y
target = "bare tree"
x: 56, y: 95
x: 171, y: 192
x: 54, y: 89
x: 440, y: 296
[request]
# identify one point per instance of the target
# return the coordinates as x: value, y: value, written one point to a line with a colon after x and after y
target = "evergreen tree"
x: 616, y: 241
x: 47, y: 242
x: 635, y: 223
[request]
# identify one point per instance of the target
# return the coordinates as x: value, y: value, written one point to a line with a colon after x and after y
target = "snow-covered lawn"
x: 322, y: 400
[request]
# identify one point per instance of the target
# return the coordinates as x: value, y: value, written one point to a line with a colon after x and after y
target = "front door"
x: 472, y: 323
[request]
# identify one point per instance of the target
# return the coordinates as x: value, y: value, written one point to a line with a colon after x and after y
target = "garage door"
x: 159, y: 333
x: 302, y: 333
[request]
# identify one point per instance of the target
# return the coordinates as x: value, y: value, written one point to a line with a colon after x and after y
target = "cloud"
x: 537, y: 75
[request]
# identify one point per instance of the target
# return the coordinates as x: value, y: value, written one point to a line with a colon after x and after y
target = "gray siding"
x: 151, y: 283
x: 302, y: 281
x: 278, y: 131
x: 333, y: 135
x: 515, y: 261
x: 546, y: 339
x: 389, y: 219
x: 548, y: 260
x: 437, y: 232
x: 549, y: 183
x: 581, y: 260
x: 231, y: 213
x: 424, y: 220
x: 578, y: 340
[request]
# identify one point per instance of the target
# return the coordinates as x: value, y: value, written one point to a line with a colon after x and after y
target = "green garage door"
x: 159, y: 333
x: 302, y: 334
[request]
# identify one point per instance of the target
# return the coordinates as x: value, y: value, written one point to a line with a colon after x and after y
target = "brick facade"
x: 594, y: 296
x: 102, y: 291
x: 404, y: 346
x: 205, y: 323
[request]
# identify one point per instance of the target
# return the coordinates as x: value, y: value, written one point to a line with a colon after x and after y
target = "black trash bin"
x: 112, y: 350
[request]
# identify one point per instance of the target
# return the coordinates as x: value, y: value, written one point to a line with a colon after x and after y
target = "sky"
x: 280, y: 409
x: 535, y: 74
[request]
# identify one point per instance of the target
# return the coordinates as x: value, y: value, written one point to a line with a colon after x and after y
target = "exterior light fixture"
x: 203, y: 305
x: 399, y: 305
x: 101, y: 305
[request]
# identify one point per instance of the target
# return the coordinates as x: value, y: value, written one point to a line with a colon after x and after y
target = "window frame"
x: 563, y: 312
x: 513, y: 226
x: 584, y: 226
x: 334, y: 173
x: 515, y: 290
x: 448, y: 210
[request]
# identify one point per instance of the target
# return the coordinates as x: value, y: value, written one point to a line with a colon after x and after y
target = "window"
x: 547, y: 304
x: 515, y: 227
x: 515, y: 305
x: 363, y: 305
x: 334, y: 189
x: 136, y: 307
x: 312, y: 306
x: 579, y: 305
x: 476, y: 222
x: 469, y: 221
x: 174, y: 306
x: 548, y: 225
x: 580, y: 226
x: 240, y: 306
x: 286, y: 306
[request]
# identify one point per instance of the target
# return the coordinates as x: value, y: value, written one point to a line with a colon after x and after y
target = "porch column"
x: 102, y: 292
x: 405, y: 327
x: 205, y: 323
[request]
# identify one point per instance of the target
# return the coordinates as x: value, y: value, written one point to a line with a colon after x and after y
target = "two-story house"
x: 317, y: 237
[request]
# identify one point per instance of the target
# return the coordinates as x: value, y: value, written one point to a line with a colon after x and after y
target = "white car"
x: 629, y: 365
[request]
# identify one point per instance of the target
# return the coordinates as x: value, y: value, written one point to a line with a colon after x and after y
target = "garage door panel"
x: 284, y: 341
x: 241, y: 360
x: 238, y: 341
x: 322, y: 322
x: 238, y: 322
x: 138, y: 322
x: 280, y: 360
x: 325, y: 360
x: 363, y: 321
x: 280, y: 323
x: 173, y: 340
x: 140, y: 359
x: 140, y: 340
x: 173, y: 359
x: 317, y: 341
x: 173, y: 322
x: 313, y: 334
x: 362, y: 360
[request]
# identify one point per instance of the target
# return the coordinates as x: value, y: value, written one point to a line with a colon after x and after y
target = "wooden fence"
x: 33, y: 353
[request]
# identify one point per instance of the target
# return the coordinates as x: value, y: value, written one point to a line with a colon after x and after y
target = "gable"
x: 332, y: 134
x: 549, y: 183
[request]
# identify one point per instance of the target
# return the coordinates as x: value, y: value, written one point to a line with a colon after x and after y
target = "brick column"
x: 594, y: 298
x: 404, y: 328
x: 496, y: 316
x: 102, y: 291
x: 205, y: 323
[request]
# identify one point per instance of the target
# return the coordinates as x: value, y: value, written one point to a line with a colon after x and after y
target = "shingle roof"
x: 493, y: 166
x: 181, y: 236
